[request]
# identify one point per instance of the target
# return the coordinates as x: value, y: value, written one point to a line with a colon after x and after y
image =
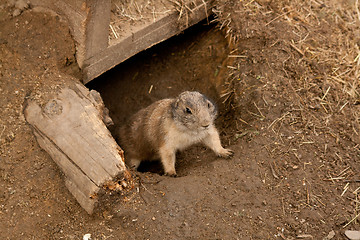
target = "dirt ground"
x: 285, y: 76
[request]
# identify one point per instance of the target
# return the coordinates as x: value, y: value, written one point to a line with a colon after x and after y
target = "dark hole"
x: 194, y: 60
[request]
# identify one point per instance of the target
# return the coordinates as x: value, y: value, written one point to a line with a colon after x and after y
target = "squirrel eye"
x: 188, y: 110
x: 208, y: 105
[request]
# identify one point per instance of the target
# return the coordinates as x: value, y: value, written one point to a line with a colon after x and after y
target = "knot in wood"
x: 53, y: 107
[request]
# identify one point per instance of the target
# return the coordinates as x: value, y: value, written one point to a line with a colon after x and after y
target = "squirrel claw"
x: 226, y: 153
x: 171, y: 174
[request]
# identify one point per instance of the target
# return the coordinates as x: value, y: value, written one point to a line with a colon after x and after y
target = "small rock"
x: 11, y: 3
x: 330, y: 235
x: 16, y: 12
x: 124, y: 184
x: 21, y: 5
x: 353, y: 235
x: 87, y: 236
x: 305, y: 236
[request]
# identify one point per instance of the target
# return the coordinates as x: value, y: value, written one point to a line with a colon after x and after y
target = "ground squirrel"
x: 168, y: 125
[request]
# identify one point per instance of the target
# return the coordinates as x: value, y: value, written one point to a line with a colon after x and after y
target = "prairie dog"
x: 168, y: 125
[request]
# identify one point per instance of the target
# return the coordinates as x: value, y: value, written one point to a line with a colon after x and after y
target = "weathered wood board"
x: 149, y: 34
x: 72, y: 129
x: 90, y: 24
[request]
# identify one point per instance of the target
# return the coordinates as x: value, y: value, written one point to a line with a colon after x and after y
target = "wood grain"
x: 71, y: 129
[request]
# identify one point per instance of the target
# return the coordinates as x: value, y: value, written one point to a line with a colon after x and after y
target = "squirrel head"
x: 194, y: 111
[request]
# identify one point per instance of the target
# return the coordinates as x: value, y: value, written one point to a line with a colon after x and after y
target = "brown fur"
x: 169, y: 125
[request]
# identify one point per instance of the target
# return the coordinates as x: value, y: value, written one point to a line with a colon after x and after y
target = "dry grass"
x: 310, y: 60
x: 341, y: 52
x: 335, y: 49
x: 132, y: 13
x: 185, y: 8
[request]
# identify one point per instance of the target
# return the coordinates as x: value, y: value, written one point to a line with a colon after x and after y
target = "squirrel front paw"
x: 171, y: 174
x: 224, y: 152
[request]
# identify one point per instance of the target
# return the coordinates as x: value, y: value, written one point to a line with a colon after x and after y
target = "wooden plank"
x: 71, y: 171
x: 71, y: 129
x: 150, y: 35
x: 69, y: 135
x: 89, y: 22
x: 97, y: 26
x: 84, y: 200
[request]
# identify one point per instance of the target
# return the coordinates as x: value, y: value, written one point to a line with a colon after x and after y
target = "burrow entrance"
x: 194, y: 60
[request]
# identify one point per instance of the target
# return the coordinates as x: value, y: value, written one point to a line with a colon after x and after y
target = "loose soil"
x: 291, y: 121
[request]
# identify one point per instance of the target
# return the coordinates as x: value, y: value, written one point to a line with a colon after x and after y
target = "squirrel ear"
x: 175, y: 104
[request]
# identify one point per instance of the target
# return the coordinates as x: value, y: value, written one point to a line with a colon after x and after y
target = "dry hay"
x: 304, y: 55
x: 185, y: 8
x: 340, y: 52
x: 129, y: 15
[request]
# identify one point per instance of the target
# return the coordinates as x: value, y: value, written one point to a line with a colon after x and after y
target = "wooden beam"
x: 71, y: 129
x: 97, y: 26
x: 148, y: 36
